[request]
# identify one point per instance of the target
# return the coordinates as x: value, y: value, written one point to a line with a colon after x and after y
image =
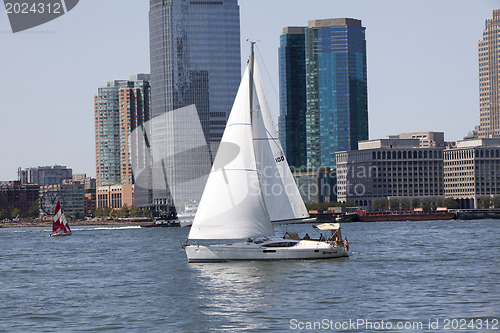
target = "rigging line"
x: 267, y: 72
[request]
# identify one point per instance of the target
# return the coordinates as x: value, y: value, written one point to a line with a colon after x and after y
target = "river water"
x: 440, y: 276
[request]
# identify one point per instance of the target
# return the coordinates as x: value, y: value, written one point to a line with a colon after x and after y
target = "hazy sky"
x: 422, y: 68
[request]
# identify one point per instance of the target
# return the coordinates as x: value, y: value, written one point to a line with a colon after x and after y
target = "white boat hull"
x: 60, y: 234
x: 301, y: 250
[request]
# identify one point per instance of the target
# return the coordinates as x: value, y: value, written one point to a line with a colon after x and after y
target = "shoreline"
x: 34, y: 224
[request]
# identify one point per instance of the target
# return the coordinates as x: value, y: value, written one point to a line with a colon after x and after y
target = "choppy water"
x: 138, y: 280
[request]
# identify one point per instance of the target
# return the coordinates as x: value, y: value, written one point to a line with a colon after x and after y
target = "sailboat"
x: 249, y: 188
x: 60, y: 226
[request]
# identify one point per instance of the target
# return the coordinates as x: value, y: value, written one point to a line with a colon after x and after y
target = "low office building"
x: 318, y: 186
x: 90, y: 191
x: 72, y: 194
x: 391, y: 168
x: 427, y: 139
x: 44, y: 175
x: 13, y: 195
x: 115, y: 196
x: 472, y: 171
x: 90, y: 202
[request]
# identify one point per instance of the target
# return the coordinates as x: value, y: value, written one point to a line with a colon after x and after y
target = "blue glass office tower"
x: 293, y: 106
x: 337, y: 104
x: 195, y: 74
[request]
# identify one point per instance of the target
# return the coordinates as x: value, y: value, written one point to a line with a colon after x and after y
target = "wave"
x: 113, y: 228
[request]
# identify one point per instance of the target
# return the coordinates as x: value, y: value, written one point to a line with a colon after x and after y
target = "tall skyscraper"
x: 120, y: 107
x: 337, y: 103
x: 489, y: 77
x: 195, y: 74
x: 323, y: 88
x: 293, y: 103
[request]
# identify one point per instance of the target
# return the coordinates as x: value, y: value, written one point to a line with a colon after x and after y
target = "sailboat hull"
x: 60, y: 234
x: 290, y: 250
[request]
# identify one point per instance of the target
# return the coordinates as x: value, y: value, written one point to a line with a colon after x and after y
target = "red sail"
x: 56, y: 225
x: 60, y: 223
x: 65, y: 224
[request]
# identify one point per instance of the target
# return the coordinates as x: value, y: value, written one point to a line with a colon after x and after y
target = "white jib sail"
x: 280, y: 192
x: 232, y: 205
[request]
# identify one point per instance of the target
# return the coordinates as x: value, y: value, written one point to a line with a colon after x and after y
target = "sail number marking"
x: 279, y: 159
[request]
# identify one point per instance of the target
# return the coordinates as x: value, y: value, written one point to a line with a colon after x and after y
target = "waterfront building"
x: 88, y: 182
x: 427, y: 139
x: 14, y: 194
x: 120, y: 107
x: 489, y: 77
x: 293, y: 104
x: 336, y: 85
x: 44, y: 175
x: 72, y: 194
x: 472, y: 171
x: 90, y: 191
x: 474, y: 134
x: 317, y: 186
x: 195, y: 74
x: 391, y: 168
x: 115, y: 196
x: 90, y: 202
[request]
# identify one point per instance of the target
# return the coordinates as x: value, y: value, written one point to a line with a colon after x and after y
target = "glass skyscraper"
x: 195, y: 74
x: 337, y: 104
x: 323, y: 91
x: 489, y: 77
x: 293, y: 106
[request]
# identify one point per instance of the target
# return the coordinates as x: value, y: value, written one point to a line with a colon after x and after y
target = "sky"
x: 422, y: 68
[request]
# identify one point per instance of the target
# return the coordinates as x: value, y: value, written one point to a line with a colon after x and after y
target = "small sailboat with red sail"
x: 60, y: 226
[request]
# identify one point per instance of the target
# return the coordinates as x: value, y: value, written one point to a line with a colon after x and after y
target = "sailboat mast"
x: 250, y: 72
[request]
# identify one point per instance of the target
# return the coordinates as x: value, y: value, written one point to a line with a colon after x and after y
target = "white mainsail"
x: 232, y: 205
x: 280, y: 192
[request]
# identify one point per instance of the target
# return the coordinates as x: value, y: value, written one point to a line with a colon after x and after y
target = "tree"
x: 434, y: 203
x: 34, y: 211
x: 98, y: 212
x: 123, y: 211
x: 484, y: 202
x: 323, y: 206
x: 102, y: 211
x: 425, y: 204
x: 145, y: 212
x: 380, y: 204
x: 406, y: 204
x: 135, y: 211
x: 16, y: 212
x: 496, y: 203
x: 450, y: 203
x: 4, y: 214
x: 394, y: 204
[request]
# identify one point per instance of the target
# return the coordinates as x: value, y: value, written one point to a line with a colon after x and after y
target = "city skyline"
x: 420, y: 76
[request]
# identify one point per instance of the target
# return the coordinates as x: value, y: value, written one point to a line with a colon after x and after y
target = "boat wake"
x: 114, y: 228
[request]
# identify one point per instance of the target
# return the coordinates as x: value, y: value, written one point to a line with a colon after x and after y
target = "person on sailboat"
x: 346, y: 244
x: 306, y: 237
x: 321, y: 237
